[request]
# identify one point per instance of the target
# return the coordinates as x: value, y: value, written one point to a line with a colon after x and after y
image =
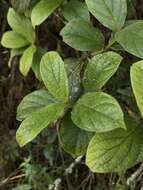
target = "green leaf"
x: 32, y: 102
x: 36, y: 62
x: 131, y: 8
x: 75, y: 9
x: 82, y: 36
x: 73, y: 71
x: 27, y: 60
x: 110, y: 13
x: 98, y: 112
x: 49, y: 154
x: 37, y: 121
x: 54, y: 75
x: 21, y: 6
x: 137, y: 83
x: 43, y: 9
x: 14, y: 53
x: 73, y: 139
x: 13, y: 40
x: 100, y: 69
x: 21, y: 25
x: 131, y: 38
x: 115, y: 151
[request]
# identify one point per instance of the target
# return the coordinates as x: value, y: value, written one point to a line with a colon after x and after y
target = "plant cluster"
x: 73, y: 97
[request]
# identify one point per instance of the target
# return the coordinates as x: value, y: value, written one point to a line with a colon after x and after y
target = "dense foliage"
x: 90, y: 87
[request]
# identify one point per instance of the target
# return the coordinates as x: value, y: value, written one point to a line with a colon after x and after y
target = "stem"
x: 111, y: 42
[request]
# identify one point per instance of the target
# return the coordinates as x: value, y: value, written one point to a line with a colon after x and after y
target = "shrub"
x: 74, y: 96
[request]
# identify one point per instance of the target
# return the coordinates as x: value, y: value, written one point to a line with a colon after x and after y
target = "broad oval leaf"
x: 131, y: 38
x: 13, y: 40
x: 81, y: 35
x: 21, y: 25
x: 137, y: 83
x: 54, y: 75
x: 98, y: 112
x: 43, y: 9
x: 37, y: 121
x: 75, y: 9
x: 111, y: 13
x: 32, y: 102
x: 73, y: 139
x: 100, y: 69
x: 115, y: 151
x: 27, y: 59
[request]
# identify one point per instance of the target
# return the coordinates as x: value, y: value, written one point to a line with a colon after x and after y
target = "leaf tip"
x: 19, y: 139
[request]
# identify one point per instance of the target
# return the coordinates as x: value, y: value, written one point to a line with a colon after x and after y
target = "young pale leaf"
x: 13, y: 40
x: 54, y: 75
x: 81, y: 35
x: 98, y: 112
x: 73, y: 139
x: 27, y: 59
x: 32, y: 102
x: 21, y: 25
x: 111, y: 13
x: 115, y: 151
x: 43, y: 9
x: 137, y: 83
x: 37, y: 121
x: 100, y: 69
x: 131, y: 38
x: 75, y: 9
